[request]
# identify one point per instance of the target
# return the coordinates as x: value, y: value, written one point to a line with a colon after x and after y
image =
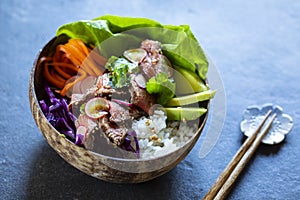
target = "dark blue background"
x: 256, y: 47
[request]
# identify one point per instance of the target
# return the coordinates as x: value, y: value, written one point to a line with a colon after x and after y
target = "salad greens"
x: 178, y: 42
x: 120, y: 68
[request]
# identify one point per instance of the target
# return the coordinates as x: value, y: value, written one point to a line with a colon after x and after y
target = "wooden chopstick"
x: 224, y: 182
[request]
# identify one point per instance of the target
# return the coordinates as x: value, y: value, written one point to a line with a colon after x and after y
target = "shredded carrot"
x: 68, y: 60
x: 61, y: 71
x: 50, y: 78
x: 64, y: 69
x: 81, y: 45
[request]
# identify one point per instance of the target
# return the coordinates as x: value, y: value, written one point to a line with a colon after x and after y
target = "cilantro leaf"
x: 120, y: 69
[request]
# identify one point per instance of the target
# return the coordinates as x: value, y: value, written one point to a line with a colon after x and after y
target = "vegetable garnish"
x: 120, y: 69
x: 57, y: 113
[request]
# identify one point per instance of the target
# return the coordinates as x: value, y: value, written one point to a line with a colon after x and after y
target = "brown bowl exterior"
x: 102, y: 167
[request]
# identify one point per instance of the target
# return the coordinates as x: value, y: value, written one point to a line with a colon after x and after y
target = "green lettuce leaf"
x: 89, y: 31
x: 119, y: 24
x: 114, y: 34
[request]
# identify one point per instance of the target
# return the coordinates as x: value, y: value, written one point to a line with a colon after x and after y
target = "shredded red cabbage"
x: 126, y: 145
x: 57, y: 113
x: 79, y: 139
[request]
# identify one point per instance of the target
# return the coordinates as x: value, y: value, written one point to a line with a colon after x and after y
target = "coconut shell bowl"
x: 103, y: 167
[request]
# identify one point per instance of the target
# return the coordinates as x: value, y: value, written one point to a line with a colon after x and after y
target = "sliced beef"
x: 152, y: 47
x: 136, y: 112
x: 102, y: 145
x: 141, y: 98
x: 118, y: 113
x: 155, y: 62
x: 147, y: 69
x: 104, y: 87
x: 164, y: 65
x: 115, y: 133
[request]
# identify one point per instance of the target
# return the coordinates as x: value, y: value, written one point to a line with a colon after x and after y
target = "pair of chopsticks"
x: 224, y: 182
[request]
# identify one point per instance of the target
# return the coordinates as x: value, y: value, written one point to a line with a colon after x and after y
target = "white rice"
x: 157, y: 138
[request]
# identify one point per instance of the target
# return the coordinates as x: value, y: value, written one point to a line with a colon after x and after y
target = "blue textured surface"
x: 256, y: 47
